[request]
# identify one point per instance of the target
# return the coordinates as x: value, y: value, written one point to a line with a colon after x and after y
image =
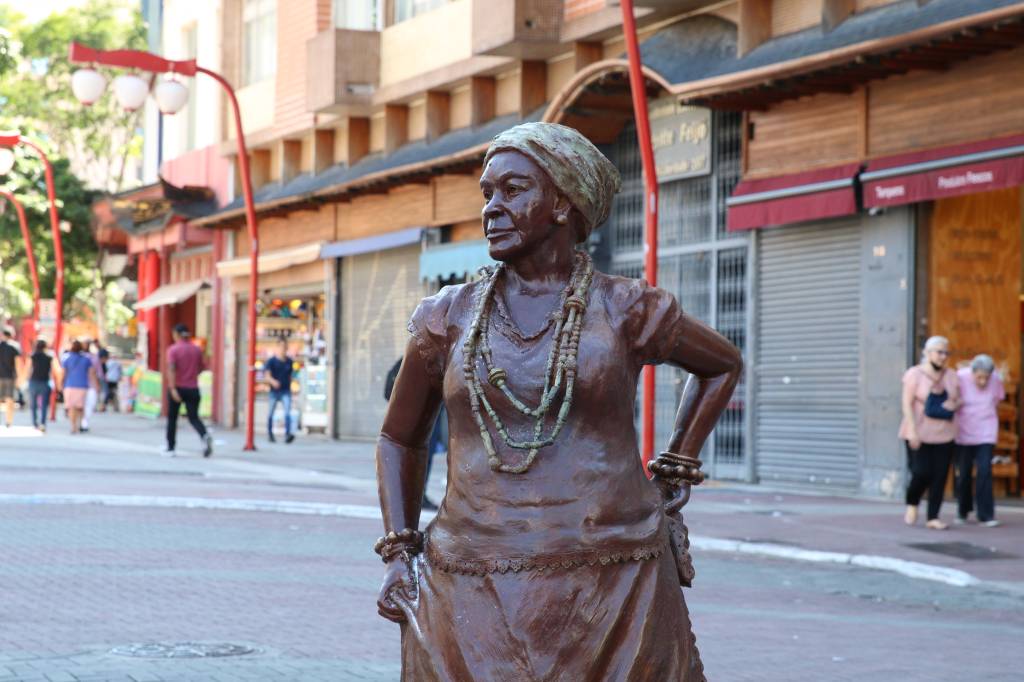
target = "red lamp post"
x: 643, y: 134
x: 151, y: 63
x: 28, y: 251
x: 11, y: 139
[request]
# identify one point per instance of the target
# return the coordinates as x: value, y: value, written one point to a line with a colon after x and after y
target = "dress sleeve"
x: 654, y: 321
x: 429, y: 327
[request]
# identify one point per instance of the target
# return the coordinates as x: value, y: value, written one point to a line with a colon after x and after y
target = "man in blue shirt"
x: 279, y: 376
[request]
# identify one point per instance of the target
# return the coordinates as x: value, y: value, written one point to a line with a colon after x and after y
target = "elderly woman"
x: 981, y: 390
x: 552, y: 557
x: 930, y: 400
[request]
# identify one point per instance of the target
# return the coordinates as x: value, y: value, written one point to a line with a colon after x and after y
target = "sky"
x: 35, y: 10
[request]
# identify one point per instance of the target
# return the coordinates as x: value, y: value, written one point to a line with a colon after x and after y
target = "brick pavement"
x: 76, y: 581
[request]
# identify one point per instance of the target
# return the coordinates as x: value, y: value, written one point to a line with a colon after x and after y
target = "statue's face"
x: 520, y: 208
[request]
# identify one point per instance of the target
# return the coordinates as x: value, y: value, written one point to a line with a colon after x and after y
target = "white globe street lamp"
x: 130, y: 91
x: 88, y: 85
x: 170, y: 96
x: 6, y: 160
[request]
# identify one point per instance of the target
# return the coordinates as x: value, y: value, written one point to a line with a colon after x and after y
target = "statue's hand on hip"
x: 400, y: 584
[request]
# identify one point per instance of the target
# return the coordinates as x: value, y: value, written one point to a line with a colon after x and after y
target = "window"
x: 360, y: 15
x: 407, y: 9
x: 259, y: 40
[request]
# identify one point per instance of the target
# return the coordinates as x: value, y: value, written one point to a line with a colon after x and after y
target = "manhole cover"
x: 962, y: 550
x: 182, y: 650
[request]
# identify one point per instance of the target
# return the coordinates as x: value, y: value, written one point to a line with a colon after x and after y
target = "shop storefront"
x: 292, y: 306
x: 969, y: 201
x: 379, y: 287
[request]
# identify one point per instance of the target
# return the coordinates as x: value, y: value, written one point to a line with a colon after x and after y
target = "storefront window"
x: 299, y: 320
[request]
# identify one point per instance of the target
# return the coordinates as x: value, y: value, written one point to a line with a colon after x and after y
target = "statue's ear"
x: 562, y: 209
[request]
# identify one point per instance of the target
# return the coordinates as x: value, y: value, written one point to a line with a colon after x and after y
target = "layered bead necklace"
x: 561, y: 367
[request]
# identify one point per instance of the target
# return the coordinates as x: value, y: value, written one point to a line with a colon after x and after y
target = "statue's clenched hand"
x: 399, y: 584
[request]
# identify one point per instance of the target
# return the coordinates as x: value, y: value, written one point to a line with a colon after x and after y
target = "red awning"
x: 946, y: 172
x: 812, y: 195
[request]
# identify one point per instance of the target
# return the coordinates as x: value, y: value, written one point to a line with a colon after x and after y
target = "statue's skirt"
x: 621, y: 622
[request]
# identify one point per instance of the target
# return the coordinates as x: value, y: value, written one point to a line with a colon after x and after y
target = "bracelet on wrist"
x: 407, y: 542
x: 677, y: 469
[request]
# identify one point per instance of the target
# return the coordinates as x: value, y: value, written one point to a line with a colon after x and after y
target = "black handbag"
x: 933, y: 406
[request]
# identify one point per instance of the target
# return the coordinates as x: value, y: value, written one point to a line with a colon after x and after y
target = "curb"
x: 910, y: 569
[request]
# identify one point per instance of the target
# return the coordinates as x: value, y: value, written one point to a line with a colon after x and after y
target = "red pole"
x: 643, y: 134
x: 254, y: 256
x: 33, y: 272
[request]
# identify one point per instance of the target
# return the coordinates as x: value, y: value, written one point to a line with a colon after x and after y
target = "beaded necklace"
x: 562, y: 363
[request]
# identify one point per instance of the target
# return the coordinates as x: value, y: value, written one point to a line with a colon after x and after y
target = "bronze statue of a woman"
x: 552, y: 557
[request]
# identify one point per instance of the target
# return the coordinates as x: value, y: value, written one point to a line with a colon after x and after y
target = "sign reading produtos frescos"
x: 681, y: 136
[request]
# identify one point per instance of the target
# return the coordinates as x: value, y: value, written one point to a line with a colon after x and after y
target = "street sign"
x: 47, y: 328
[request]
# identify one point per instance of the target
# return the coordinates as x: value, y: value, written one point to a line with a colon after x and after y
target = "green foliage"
x: 28, y: 184
x: 36, y: 90
x: 88, y: 145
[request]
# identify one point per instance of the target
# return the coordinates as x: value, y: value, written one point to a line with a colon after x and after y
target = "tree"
x: 89, y: 146
x: 35, y: 87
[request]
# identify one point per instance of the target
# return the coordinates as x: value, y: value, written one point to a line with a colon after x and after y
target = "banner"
x: 150, y: 394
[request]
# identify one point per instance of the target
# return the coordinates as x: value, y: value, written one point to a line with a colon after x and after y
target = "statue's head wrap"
x: 580, y: 172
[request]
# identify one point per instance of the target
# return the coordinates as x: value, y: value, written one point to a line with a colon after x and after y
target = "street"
x: 107, y: 545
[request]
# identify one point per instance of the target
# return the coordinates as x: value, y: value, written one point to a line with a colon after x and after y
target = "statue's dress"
x: 563, y: 572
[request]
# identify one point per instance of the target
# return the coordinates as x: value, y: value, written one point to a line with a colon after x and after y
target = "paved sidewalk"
x: 317, y: 469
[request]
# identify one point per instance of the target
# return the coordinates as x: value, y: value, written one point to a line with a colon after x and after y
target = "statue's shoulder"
x: 625, y: 294
x: 449, y: 300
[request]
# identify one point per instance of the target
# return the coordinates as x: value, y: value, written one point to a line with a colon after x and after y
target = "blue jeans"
x: 968, y: 457
x: 39, y: 396
x: 285, y: 398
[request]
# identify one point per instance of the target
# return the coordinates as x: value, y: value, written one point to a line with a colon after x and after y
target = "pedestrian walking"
x: 931, y: 397
x: 42, y: 374
x: 112, y: 372
x: 79, y: 378
x: 981, y: 390
x: 9, y: 354
x: 184, y: 363
x: 280, y: 369
x: 92, y: 395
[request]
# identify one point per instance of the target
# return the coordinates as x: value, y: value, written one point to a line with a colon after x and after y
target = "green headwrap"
x: 578, y: 169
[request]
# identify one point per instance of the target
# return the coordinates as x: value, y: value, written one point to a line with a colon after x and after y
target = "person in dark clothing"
x: 279, y: 369
x: 184, y: 363
x: 39, y: 384
x: 389, y: 381
x: 9, y: 355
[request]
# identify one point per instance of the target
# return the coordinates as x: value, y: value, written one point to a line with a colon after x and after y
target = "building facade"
x: 783, y: 129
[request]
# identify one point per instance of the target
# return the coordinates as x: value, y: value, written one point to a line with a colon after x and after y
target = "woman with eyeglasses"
x: 931, y: 397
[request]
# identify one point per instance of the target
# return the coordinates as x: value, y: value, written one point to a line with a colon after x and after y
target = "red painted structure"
x: 643, y: 134
x: 10, y: 139
x: 29, y: 254
x: 136, y: 59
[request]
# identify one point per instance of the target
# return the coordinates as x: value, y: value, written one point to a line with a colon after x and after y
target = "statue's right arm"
x: 402, y: 447
x: 401, y: 466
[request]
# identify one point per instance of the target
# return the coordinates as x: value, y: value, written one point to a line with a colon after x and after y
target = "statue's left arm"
x: 715, y: 366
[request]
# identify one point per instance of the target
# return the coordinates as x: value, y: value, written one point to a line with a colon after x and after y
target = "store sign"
x: 681, y: 136
x: 47, y: 328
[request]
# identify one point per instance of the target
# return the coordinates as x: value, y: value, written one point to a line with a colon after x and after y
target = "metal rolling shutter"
x: 807, y: 397
x: 379, y: 292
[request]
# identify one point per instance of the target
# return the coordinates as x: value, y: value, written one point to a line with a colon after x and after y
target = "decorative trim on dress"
x: 453, y: 564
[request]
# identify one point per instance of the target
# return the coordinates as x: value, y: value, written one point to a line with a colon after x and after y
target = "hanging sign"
x: 681, y: 136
